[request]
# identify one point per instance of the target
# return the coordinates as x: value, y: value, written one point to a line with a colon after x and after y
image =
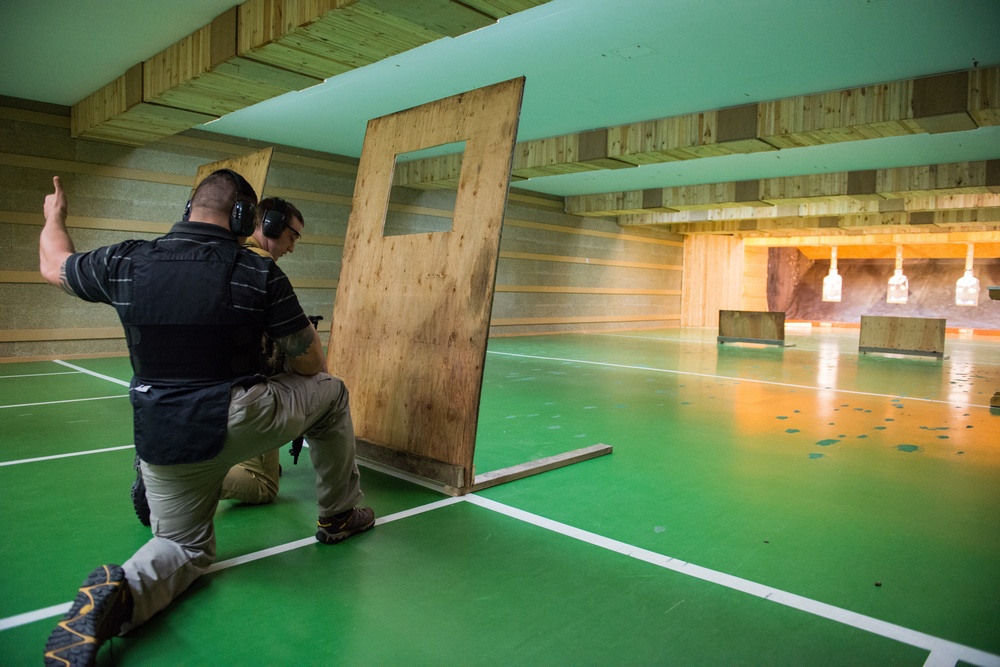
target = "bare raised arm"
x: 304, y: 351
x: 55, y: 245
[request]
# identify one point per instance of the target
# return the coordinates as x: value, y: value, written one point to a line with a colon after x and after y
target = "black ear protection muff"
x: 243, y: 217
x: 275, y: 218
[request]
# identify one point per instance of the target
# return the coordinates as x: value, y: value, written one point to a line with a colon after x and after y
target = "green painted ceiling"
x: 588, y: 64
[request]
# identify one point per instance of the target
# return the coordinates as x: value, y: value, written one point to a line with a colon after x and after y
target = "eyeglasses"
x: 295, y: 235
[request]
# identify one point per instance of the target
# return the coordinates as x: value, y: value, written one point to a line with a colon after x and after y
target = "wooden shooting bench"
x: 921, y: 336
x: 752, y: 326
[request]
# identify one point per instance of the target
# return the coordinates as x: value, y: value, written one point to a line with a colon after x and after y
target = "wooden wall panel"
x: 713, y: 277
x: 412, y: 313
x: 754, y: 278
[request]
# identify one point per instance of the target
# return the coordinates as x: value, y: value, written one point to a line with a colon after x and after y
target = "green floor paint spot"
x: 880, y: 428
x: 890, y: 419
x: 827, y: 442
x: 782, y: 417
x: 862, y: 436
x: 791, y: 430
x: 942, y: 437
x: 815, y: 455
x: 907, y: 448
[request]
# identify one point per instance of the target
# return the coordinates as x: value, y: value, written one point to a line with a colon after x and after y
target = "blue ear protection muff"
x: 275, y: 219
x: 243, y: 217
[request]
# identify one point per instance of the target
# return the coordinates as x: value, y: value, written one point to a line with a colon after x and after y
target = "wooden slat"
x: 21, y: 277
x: 496, y: 477
x: 540, y: 257
x: 560, y: 289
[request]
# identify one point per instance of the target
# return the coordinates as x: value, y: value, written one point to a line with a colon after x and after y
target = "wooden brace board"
x: 751, y: 326
x: 412, y: 313
x: 253, y: 167
x: 922, y: 336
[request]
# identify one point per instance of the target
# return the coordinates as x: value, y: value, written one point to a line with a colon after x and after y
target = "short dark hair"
x: 220, y: 190
x: 279, y: 204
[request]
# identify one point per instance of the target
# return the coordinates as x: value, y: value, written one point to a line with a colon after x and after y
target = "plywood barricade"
x: 922, y: 336
x: 412, y: 313
x: 253, y: 167
x: 751, y: 326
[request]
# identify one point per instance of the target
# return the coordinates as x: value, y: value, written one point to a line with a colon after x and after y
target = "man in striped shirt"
x: 194, y: 305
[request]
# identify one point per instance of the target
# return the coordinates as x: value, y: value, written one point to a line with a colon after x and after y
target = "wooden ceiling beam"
x: 948, y: 102
x: 876, y: 185
x: 265, y: 48
x: 941, y: 245
x: 986, y: 220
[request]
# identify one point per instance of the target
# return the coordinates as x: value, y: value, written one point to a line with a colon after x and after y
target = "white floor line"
x: 737, y: 379
x: 282, y: 548
x: 942, y: 653
x: 66, y: 456
x: 37, y: 375
x: 88, y: 372
x: 32, y: 616
x: 68, y: 400
x: 56, y: 610
x: 940, y: 649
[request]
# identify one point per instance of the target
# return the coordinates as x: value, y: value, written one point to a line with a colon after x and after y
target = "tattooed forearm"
x: 297, y: 343
x: 64, y: 281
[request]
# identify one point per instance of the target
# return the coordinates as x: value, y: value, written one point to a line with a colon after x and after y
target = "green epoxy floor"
x: 809, y: 470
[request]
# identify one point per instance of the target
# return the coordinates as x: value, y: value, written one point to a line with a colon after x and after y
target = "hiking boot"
x: 339, y: 527
x: 139, y: 501
x: 102, y: 606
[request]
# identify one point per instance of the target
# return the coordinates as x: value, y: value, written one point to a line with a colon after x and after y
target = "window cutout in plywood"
x: 424, y: 211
